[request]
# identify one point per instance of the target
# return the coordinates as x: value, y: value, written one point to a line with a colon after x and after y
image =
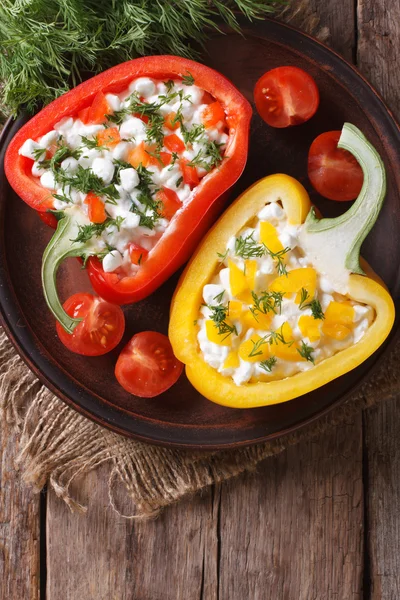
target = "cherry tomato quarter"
x: 333, y: 172
x: 147, y: 366
x: 286, y: 96
x: 100, y: 330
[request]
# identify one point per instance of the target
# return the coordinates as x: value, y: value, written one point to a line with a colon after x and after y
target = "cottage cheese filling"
x: 143, y: 162
x: 267, y: 313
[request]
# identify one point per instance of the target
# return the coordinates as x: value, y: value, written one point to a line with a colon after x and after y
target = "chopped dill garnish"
x: 60, y: 154
x: 154, y: 130
x: 85, y: 181
x: 38, y: 153
x: 315, y: 305
x: 306, y: 352
x: 62, y: 198
x: 179, y: 182
x: 193, y: 134
x: 207, y: 157
x: 219, y: 314
x: 279, y: 258
x: 247, y: 247
x: 303, y: 298
x: 266, y: 302
x: 268, y: 364
x: 118, y: 116
x: 169, y: 85
x: 86, y: 232
x: 222, y: 257
x: 188, y: 79
x: 218, y: 297
x: 174, y: 158
x: 92, y: 144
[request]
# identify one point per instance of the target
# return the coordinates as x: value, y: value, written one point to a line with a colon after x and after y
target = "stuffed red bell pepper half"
x: 133, y: 164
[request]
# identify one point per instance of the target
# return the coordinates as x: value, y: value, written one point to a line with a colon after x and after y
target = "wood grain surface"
x: 19, y: 529
x: 318, y: 522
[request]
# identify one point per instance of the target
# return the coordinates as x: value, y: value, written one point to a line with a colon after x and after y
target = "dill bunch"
x: 46, y: 45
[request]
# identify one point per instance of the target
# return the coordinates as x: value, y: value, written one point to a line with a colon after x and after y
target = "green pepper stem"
x: 60, y: 247
x: 334, y: 244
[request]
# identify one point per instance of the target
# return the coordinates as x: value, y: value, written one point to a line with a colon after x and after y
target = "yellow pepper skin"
x: 188, y: 298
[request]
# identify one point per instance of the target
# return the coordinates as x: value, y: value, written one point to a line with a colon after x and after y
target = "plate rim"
x: 255, y: 29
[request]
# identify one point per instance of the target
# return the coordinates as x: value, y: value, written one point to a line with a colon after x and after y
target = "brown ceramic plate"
x: 181, y: 416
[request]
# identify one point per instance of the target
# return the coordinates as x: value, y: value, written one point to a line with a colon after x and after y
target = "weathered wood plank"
x: 339, y: 17
x: 103, y: 557
x: 383, y: 504
x: 294, y: 530
x: 19, y: 529
x: 378, y: 57
x: 378, y: 47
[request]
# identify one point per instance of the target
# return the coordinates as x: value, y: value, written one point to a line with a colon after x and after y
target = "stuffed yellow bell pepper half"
x: 275, y: 303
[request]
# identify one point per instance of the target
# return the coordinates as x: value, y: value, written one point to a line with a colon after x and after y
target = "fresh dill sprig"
x: 118, y: 116
x: 38, y: 153
x: 62, y: 198
x: 179, y: 182
x: 188, y: 79
x: 266, y: 302
x: 279, y: 258
x: 169, y: 85
x: 208, y: 157
x: 314, y: 304
x: 268, y: 364
x: 316, y: 309
x: 92, y: 144
x: 223, y: 257
x: 193, y: 134
x: 85, y: 181
x: 303, y: 298
x: 306, y: 352
x: 60, y: 154
x: 154, y: 131
x: 219, y: 314
x: 47, y: 45
x: 247, y: 247
x: 218, y: 297
x: 86, y: 232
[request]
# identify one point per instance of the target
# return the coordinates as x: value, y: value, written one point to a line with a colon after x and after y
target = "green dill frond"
x: 268, y: 364
x: 306, y: 352
x: 46, y: 45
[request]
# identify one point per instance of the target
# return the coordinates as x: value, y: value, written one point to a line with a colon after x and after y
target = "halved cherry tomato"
x: 109, y: 137
x: 333, y: 172
x: 169, y: 121
x: 101, y: 329
x: 137, y: 254
x: 286, y: 96
x: 147, y: 366
x: 170, y: 202
x: 212, y: 115
x: 99, y: 109
x: 189, y: 173
x: 96, y: 210
x: 174, y: 143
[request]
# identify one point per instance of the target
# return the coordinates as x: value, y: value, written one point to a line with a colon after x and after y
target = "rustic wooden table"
x: 319, y: 522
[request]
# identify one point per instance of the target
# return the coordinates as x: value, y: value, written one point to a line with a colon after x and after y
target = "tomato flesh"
x: 212, y: 115
x: 137, y: 254
x: 286, y: 96
x: 109, y: 137
x: 189, y: 173
x: 99, y: 109
x: 333, y: 172
x: 147, y: 366
x: 174, y: 143
x: 170, y: 202
x: 100, y: 330
x: 96, y: 209
x: 170, y: 122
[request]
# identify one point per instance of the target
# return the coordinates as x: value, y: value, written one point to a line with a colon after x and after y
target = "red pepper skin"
x: 178, y: 243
